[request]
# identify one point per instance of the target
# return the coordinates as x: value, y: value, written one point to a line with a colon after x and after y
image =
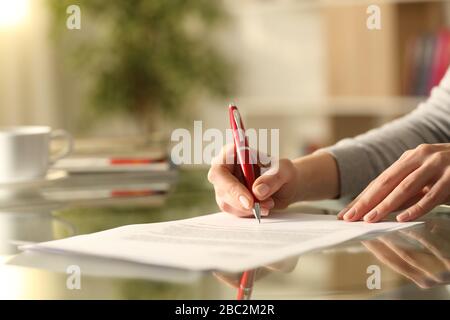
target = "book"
x: 104, y: 192
x: 441, y: 58
x: 112, y: 164
x: 426, y: 60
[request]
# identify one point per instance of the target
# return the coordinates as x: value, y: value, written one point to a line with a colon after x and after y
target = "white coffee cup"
x: 25, y: 152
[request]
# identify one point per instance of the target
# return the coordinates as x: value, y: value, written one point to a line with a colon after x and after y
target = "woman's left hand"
x: 418, y: 181
x: 427, y: 263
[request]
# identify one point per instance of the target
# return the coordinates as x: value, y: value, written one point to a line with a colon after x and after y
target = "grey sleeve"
x: 364, y: 157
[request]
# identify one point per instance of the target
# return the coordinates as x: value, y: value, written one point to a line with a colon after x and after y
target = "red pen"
x: 246, y: 285
x: 249, y: 166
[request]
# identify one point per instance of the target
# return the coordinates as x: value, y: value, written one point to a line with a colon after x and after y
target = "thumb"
x: 273, y: 179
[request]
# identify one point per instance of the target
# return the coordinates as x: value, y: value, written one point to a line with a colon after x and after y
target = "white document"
x: 217, y: 241
x: 98, y: 267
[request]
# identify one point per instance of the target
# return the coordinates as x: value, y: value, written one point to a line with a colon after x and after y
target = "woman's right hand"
x: 275, y: 188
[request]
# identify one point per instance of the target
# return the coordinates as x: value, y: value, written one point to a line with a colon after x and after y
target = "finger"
x: 416, y: 261
x: 286, y: 266
x: 437, y: 195
x: 233, y: 280
x: 226, y: 158
x: 380, y: 188
x: 264, y: 160
x: 408, y: 203
x: 272, y: 180
x: 223, y: 163
x: 406, y: 189
x: 229, y: 188
x: 434, y: 246
x: 393, y: 261
x: 230, y: 279
x: 404, y: 205
x: 267, y: 204
x: 352, y: 203
x: 226, y: 207
x: 341, y: 213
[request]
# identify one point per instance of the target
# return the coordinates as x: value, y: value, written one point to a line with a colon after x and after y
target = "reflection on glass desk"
x: 412, y: 263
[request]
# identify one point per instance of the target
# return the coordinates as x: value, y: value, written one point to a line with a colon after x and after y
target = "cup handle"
x: 64, y: 152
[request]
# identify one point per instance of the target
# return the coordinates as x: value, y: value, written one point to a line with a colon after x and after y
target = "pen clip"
x: 244, y: 146
x: 237, y: 121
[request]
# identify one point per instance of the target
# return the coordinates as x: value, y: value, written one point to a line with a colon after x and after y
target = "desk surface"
x: 412, y: 264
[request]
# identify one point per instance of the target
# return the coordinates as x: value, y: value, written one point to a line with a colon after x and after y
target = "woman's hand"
x: 275, y: 188
x: 418, y: 181
x: 233, y: 279
x: 428, y: 263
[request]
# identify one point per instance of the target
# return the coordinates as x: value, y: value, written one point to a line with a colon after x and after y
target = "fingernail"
x: 262, y: 189
x: 269, y: 204
x: 349, y: 214
x: 428, y: 283
x: 403, y: 216
x: 244, y: 201
x: 371, y: 215
x: 342, y: 212
x: 264, y: 212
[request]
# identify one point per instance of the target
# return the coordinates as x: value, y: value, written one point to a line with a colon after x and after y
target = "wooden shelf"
x: 366, y: 69
x: 387, y: 106
x: 321, y: 4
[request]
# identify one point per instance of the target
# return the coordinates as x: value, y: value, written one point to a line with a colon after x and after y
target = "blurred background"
x: 137, y: 69
x: 141, y: 68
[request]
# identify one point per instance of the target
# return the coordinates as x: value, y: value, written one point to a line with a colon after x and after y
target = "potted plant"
x: 146, y: 58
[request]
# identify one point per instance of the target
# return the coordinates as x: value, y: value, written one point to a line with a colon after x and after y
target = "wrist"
x: 317, y: 177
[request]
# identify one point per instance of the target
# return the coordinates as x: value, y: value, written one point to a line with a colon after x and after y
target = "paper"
x: 218, y: 241
x: 97, y: 267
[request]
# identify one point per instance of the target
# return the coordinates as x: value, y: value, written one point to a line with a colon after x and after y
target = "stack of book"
x: 94, y: 178
x: 137, y: 165
x: 427, y: 58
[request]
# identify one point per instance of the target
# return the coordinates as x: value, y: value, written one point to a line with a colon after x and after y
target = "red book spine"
x: 128, y: 161
x: 442, y: 58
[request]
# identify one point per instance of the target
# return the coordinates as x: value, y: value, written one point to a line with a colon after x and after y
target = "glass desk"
x: 413, y: 263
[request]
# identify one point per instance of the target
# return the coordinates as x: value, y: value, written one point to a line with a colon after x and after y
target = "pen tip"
x: 257, y: 212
